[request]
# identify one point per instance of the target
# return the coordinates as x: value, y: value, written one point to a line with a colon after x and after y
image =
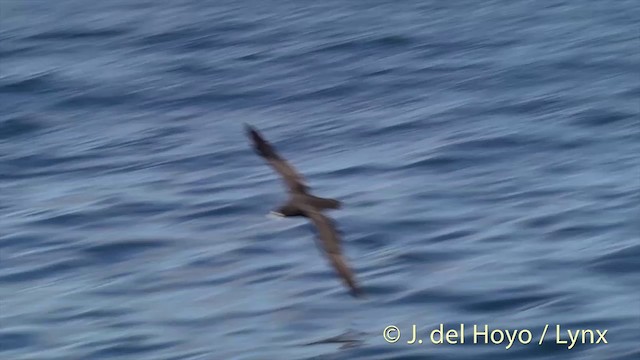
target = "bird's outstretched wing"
x: 294, y: 181
x: 330, y: 241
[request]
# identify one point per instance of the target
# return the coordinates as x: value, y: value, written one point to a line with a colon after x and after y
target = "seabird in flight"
x: 302, y: 203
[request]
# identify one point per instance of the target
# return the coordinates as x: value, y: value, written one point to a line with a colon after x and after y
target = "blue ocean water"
x: 486, y: 152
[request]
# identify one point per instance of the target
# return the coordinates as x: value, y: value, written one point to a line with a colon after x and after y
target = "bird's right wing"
x: 331, y: 244
x: 294, y: 181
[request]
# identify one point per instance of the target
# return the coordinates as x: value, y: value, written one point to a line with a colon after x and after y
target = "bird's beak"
x: 276, y: 214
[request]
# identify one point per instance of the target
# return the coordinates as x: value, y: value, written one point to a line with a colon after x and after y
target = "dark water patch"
x: 142, y: 208
x: 601, y: 117
x: 43, y: 272
x: 370, y: 241
x: 19, y: 126
x: 205, y: 188
x: 263, y: 277
x: 350, y: 339
x: 211, y: 320
x: 256, y: 56
x: 188, y: 38
x: 429, y: 296
x: 223, y: 97
x: 575, y: 64
x: 47, y: 160
x: 391, y: 40
x: 175, y: 36
x: 154, y: 139
x: 19, y: 240
x: 16, y: 50
x: 552, y: 349
x: 14, y: 340
x: 124, y: 325
x: 450, y: 235
x: 316, y: 292
x: 509, y: 142
x: 629, y: 355
x: 165, y: 37
x: 330, y: 92
x: 29, y: 171
x: 574, y: 143
x: 236, y: 315
x: 119, y: 250
x: 632, y: 92
x: 163, y: 282
x: 360, y: 170
x: 381, y: 288
x: 543, y: 221
x: 380, y: 72
x: 67, y: 220
x: 231, y: 209
x: 186, y: 163
x: 621, y: 262
x: 124, y: 167
x: 128, y: 347
x: 201, y: 321
x: 195, y: 68
x: 537, y: 105
x: 79, y: 34
x: 33, y: 84
x: 190, y: 355
x: 204, y: 42
x: 168, y: 131
x: 437, y: 46
x: 563, y: 168
x: 211, y: 262
x: 616, y: 198
x: 496, y: 239
x: 275, y: 268
x: 438, y: 70
x: 492, y: 302
x: 431, y: 223
x: 578, y: 231
x: 422, y: 257
x: 591, y: 322
x: 234, y: 26
x: 93, y: 314
x: 529, y: 198
x: 98, y: 99
x: 442, y: 162
x: 392, y: 127
x: 262, y: 248
x: 316, y: 276
x: 529, y: 76
x: 364, y: 43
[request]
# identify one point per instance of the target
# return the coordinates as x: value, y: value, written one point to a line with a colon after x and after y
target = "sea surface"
x: 487, y: 154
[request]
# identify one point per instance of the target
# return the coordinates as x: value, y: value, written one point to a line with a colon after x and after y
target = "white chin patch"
x: 275, y: 215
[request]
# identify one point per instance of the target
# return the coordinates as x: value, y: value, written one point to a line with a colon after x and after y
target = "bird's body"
x: 302, y: 203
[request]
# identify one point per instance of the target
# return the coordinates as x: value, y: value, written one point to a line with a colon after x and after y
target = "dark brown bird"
x: 302, y: 203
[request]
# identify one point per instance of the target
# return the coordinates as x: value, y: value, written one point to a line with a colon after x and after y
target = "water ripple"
x: 484, y: 154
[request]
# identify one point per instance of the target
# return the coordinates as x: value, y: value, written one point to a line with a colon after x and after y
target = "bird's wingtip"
x: 358, y: 293
x: 253, y: 132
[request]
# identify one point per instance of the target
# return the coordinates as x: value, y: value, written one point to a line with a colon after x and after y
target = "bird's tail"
x: 324, y: 203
